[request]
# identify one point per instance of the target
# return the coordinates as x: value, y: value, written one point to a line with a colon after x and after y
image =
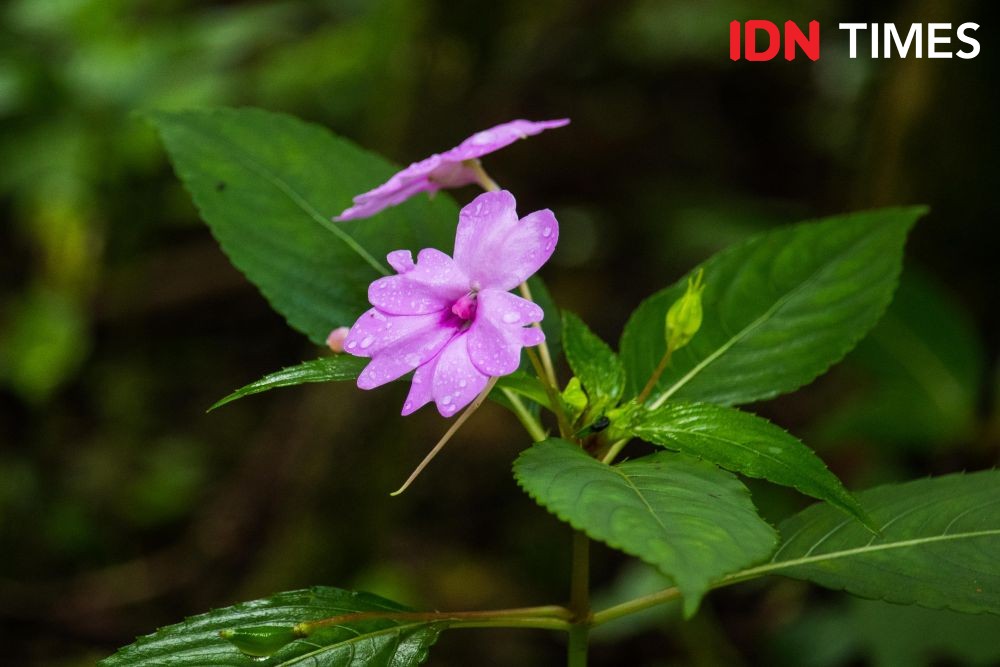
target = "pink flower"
x: 444, y: 170
x: 453, y: 321
x: 335, y: 341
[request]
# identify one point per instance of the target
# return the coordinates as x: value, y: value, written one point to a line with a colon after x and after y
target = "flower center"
x: 465, y: 308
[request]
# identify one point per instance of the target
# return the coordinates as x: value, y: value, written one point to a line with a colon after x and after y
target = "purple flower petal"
x: 401, y: 260
x: 499, y: 136
x: 456, y: 382
x: 408, y: 355
x: 495, y: 249
x: 397, y: 344
x: 433, y: 284
x: 498, y: 333
x: 443, y: 170
x: 421, y: 387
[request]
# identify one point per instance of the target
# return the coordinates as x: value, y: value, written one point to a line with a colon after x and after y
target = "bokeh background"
x: 123, y: 506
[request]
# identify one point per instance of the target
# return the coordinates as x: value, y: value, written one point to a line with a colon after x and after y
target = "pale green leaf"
x: 691, y: 520
x: 779, y: 309
x: 370, y: 643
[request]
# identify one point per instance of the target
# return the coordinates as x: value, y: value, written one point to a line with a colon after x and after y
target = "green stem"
x: 543, y: 347
x: 668, y: 594
x: 529, y: 622
x: 655, y: 377
x: 552, y: 617
x: 579, y: 602
x: 634, y: 606
x: 482, y: 178
x: 527, y: 419
x: 614, y: 451
x: 576, y: 654
x: 565, y: 429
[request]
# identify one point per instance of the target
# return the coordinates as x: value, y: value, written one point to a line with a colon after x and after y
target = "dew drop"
x: 412, y: 360
x: 367, y: 342
x: 353, y: 344
x: 462, y: 383
x: 547, y: 232
x: 446, y: 400
x: 510, y: 317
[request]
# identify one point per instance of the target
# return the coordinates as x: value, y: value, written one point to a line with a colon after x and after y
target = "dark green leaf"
x: 743, y: 443
x: 593, y: 362
x: 920, y: 371
x: 267, y: 184
x: 779, y: 309
x: 693, y: 521
x: 324, y: 369
x: 938, y: 545
x: 370, y: 643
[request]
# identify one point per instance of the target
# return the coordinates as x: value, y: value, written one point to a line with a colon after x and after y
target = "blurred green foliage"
x: 123, y: 506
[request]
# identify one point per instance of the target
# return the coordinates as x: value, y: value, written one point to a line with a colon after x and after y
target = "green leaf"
x: 920, y: 373
x: 693, y: 521
x: 779, y: 309
x: 744, y: 443
x: 938, y: 545
x: 596, y: 364
x: 324, y: 369
x: 196, y: 642
x: 267, y: 184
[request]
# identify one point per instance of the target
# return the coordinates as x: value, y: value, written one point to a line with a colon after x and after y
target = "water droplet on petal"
x: 367, y: 342
x: 412, y: 360
x: 511, y: 317
x: 462, y: 383
x: 446, y: 400
x: 547, y: 232
x: 353, y: 344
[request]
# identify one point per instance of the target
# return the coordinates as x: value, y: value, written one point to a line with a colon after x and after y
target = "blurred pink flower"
x: 453, y: 321
x: 444, y: 170
x: 335, y: 341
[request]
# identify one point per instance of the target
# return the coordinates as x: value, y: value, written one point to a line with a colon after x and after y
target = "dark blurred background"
x: 123, y: 506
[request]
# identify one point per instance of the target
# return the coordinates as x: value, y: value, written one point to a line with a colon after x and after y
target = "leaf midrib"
x: 857, y: 551
x: 733, y: 340
x: 397, y: 629
x: 299, y: 200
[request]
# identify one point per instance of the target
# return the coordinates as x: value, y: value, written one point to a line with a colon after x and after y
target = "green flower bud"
x: 260, y: 641
x: 574, y: 397
x: 684, y: 316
